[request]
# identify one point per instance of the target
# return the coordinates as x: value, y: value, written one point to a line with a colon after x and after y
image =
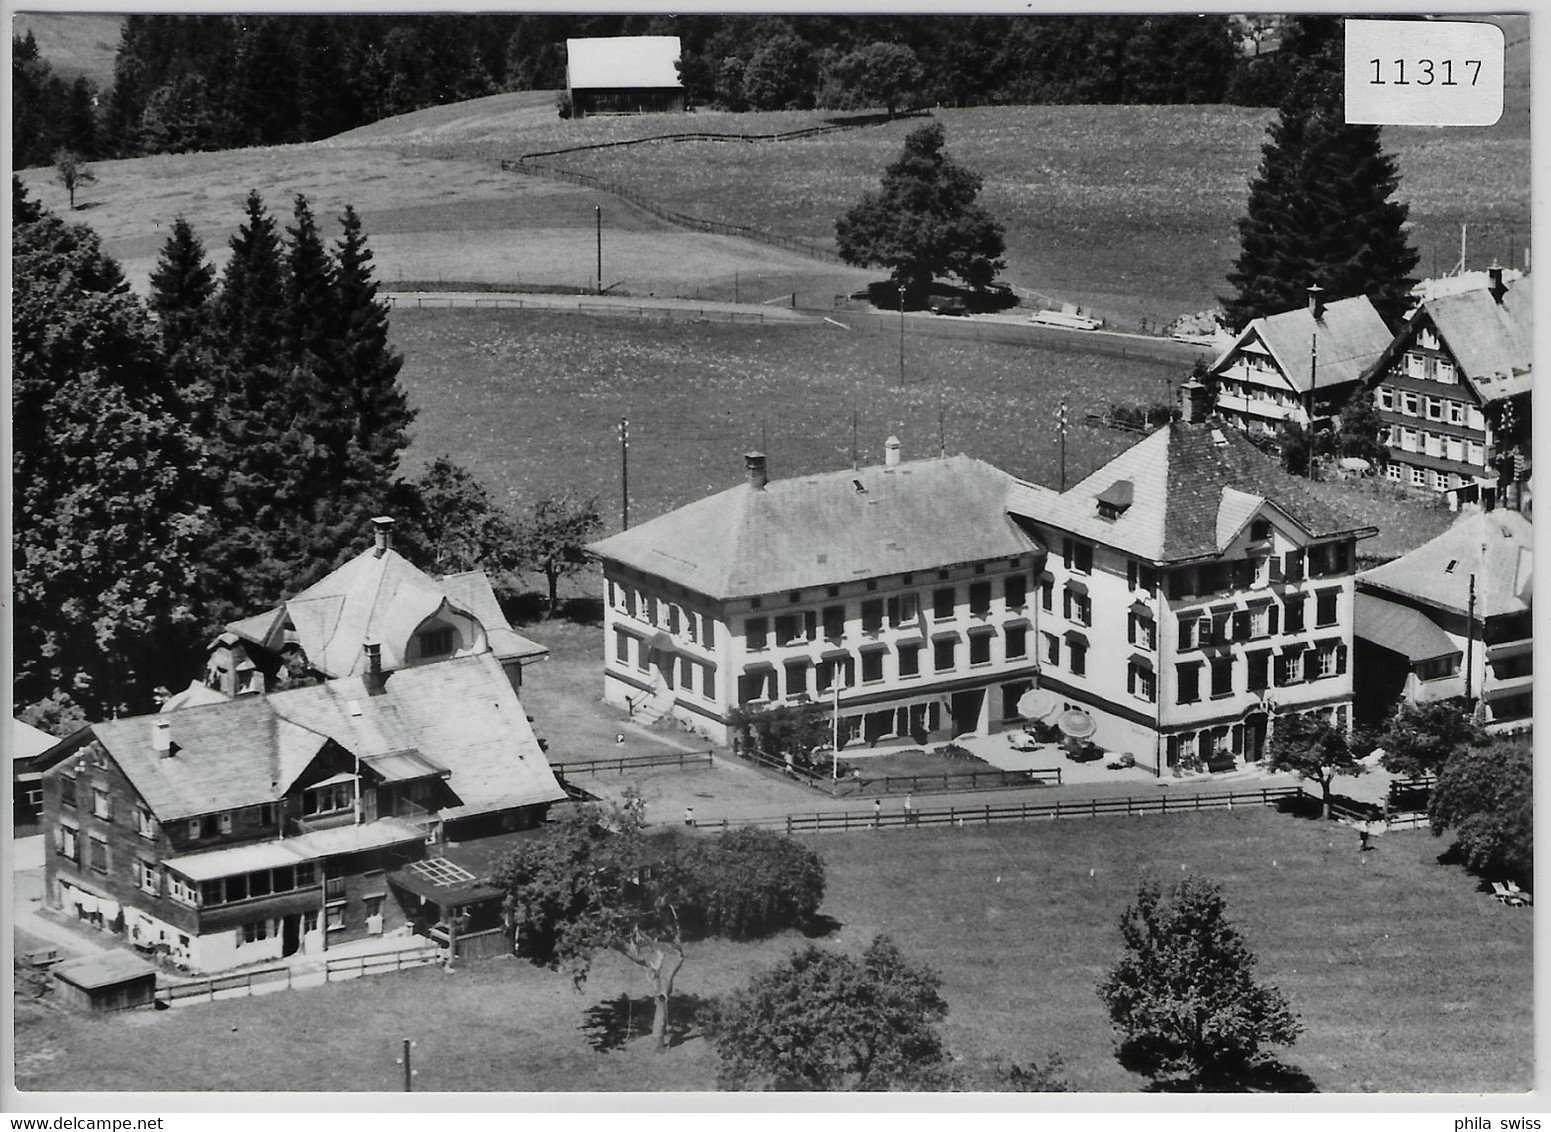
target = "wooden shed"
x: 111, y: 980
x: 627, y: 74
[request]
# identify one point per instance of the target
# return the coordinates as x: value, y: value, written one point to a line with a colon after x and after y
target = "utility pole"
x: 1313, y: 378
x: 1061, y: 430
x: 598, y: 212
x: 1470, y: 642
x: 901, y: 335
x: 942, y: 427
x: 409, y: 1071
x: 854, y: 456
x: 624, y: 474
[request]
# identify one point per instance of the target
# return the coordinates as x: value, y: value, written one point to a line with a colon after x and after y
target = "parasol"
x: 1076, y: 723
x: 1038, y: 703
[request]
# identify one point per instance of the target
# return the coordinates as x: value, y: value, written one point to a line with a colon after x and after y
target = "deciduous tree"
x: 1183, y: 999
x: 460, y: 525
x: 881, y: 74
x: 1420, y: 739
x: 923, y: 221
x: 1485, y: 796
x: 72, y: 172
x: 1310, y: 746
x: 555, y: 534
x: 830, y: 1021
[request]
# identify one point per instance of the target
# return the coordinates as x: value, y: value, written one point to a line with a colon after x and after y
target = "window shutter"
x: 1066, y: 553
x: 1131, y: 573
x: 1238, y: 738
x: 1310, y: 664
x: 1241, y: 624
x: 893, y: 607
x: 1271, y: 617
x: 1340, y: 660
x: 1066, y: 603
x: 1131, y: 678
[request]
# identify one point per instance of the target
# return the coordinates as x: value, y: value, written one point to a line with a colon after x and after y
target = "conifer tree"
x: 1321, y: 210
x: 252, y: 302
x: 182, y: 288
x: 107, y: 523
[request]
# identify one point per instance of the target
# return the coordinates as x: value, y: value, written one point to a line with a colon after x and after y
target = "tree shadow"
x: 820, y: 925
x: 615, y: 1021
x: 583, y: 610
x: 1270, y: 1076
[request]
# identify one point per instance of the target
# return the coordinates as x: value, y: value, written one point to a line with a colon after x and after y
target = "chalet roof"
x: 1491, y: 342
x: 623, y: 61
x: 1194, y: 487
x: 828, y: 528
x: 1497, y: 548
x: 458, y: 715
x: 318, y: 844
x: 380, y: 595
x: 1349, y: 340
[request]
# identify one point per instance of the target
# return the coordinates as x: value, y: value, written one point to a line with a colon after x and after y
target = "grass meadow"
x: 1404, y: 975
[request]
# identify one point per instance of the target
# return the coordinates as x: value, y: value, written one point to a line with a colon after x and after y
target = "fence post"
x: 1163, y: 806
x: 1058, y: 807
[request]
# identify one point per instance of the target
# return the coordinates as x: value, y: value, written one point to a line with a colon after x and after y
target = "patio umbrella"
x: 1038, y: 703
x: 1077, y: 724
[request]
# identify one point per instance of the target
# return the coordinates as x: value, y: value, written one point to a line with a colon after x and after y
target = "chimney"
x: 1498, y: 287
x: 1193, y: 407
x: 161, y: 738
x: 1317, y: 302
x: 375, y: 680
x: 382, y: 534
x: 891, y: 452
x: 754, y: 467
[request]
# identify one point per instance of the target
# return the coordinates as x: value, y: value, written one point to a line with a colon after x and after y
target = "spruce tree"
x: 105, y: 504
x: 1321, y: 210
x: 252, y: 302
x: 182, y: 287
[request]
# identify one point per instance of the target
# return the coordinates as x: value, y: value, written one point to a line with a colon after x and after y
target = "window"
x: 1259, y: 663
x: 330, y: 798
x: 1325, y: 607
x: 1410, y: 440
x: 335, y: 916
x: 1015, y: 590
x: 1392, y: 471
x: 180, y: 889
x: 1141, y: 682
x: 97, y: 853
x: 102, y: 804
x: 943, y: 651
x: 943, y: 602
x: 283, y: 879
x: 755, y: 632
x: 1289, y: 667
x: 708, y: 676
x: 1141, y: 631
x: 67, y: 844
x: 236, y: 888
x: 1077, y: 556
x: 1408, y: 403
x: 1077, y: 656
x: 979, y: 598
x: 692, y: 626
x: 872, y: 666
x: 1260, y: 529
x: 145, y: 824
x: 1456, y: 413
x: 1077, y: 605
x: 1047, y: 588
x: 1017, y: 642
x: 266, y: 814
x: 910, y: 658
x: 253, y: 933
x: 147, y: 878
x: 1434, y: 409
x: 1186, y: 630
x: 834, y: 622
x: 436, y: 642
x: 788, y: 628
x: 980, y: 648
x: 67, y: 790
x: 674, y: 620
x: 1222, y: 677
x: 621, y: 647
x: 1189, y: 682
x: 1262, y: 621
x: 1386, y: 397
x: 1439, y: 668
x: 872, y: 616
x: 1142, y: 577
x: 1052, y: 648
x: 1292, y: 616
x: 1418, y: 477
x: 226, y: 823
x: 1325, y: 662
x: 756, y: 684
x: 902, y: 610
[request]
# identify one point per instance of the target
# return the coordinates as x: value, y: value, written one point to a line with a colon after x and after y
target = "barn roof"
x: 828, y: 528
x: 1193, y: 488
x: 1348, y: 340
x: 623, y: 61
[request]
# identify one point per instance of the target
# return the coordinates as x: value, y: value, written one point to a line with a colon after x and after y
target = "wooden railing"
x: 962, y: 780
x: 244, y: 981
x: 377, y: 962
x: 482, y: 944
x: 679, y: 759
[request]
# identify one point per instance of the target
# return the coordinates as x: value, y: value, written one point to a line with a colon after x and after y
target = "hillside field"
x: 1127, y: 210
x: 1405, y: 976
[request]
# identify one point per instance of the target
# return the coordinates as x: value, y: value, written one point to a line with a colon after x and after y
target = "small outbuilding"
x: 112, y: 980
x: 624, y: 74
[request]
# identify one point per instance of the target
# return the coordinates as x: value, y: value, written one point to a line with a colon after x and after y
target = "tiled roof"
x: 383, y: 597
x: 1350, y: 338
x: 461, y: 714
x: 1490, y: 341
x: 1400, y: 628
x: 623, y: 61
x: 828, y: 528
x: 1194, y: 488
x: 1496, y: 547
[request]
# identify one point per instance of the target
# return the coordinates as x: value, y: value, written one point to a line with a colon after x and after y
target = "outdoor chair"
x: 1512, y: 897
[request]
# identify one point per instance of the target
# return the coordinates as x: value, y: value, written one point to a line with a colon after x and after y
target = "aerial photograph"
x: 624, y: 554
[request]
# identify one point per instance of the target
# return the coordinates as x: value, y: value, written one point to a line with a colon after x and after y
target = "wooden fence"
x: 1020, y: 811
x: 244, y: 981
x: 482, y: 945
x: 498, y: 301
x: 377, y: 962
x: 679, y: 759
x: 961, y: 780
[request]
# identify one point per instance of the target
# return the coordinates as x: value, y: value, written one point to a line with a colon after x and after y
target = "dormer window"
x: 436, y: 642
x: 1115, y: 499
x: 1260, y: 530
x: 331, y: 797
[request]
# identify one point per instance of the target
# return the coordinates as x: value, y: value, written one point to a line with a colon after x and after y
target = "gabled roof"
x: 1491, y: 342
x: 28, y: 741
x: 379, y: 595
x: 1349, y: 339
x: 1194, y: 488
x: 623, y: 61
x: 828, y: 528
x: 1495, y: 547
x: 458, y: 715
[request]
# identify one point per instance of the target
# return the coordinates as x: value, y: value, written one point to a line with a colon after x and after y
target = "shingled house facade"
x: 258, y: 827
x: 1194, y: 592
x: 899, y: 593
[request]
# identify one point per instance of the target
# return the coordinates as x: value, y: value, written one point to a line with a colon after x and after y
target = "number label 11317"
x: 1424, y: 72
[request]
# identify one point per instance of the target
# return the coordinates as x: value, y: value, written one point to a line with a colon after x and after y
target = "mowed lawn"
x: 531, y: 401
x: 1405, y: 976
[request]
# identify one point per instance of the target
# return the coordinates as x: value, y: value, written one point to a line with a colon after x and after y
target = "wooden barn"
x: 112, y: 980
x: 626, y: 74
